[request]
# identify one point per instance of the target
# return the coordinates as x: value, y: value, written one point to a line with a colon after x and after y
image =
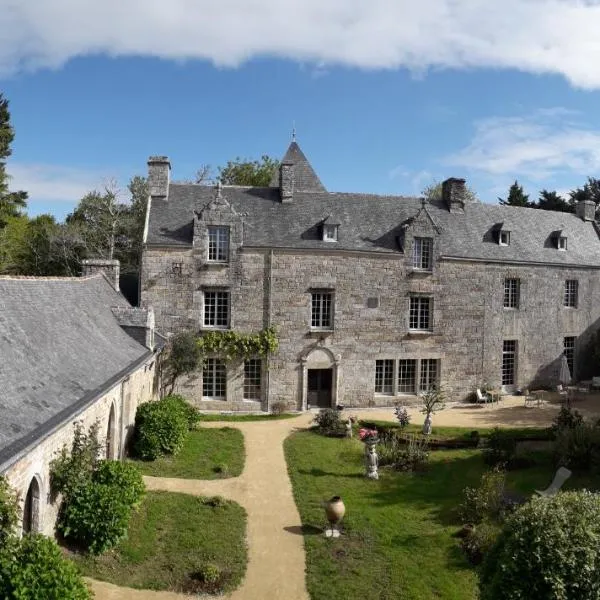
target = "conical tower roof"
x: 306, y: 180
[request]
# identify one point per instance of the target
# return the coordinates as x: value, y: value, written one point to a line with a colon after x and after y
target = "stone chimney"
x: 287, y: 180
x: 454, y: 192
x: 137, y: 322
x: 110, y: 268
x: 586, y: 210
x: 159, y: 169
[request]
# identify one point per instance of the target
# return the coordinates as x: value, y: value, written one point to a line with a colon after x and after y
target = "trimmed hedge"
x: 33, y: 568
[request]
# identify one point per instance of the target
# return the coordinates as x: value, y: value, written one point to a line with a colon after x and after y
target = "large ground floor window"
x: 569, y: 352
x: 509, y: 362
x: 406, y: 375
x: 253, y: 379
x: 214, y: 379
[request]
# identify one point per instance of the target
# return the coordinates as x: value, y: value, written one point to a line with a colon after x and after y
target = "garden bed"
x: 249, y: 417
x: 207, y: 454
x: 171, y: 540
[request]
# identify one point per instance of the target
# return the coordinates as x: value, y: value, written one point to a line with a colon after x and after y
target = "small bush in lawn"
x: 500, y: 449
x: 567, y: 418
x: 390, y: 448
x: 9, y: 510
x: 402, y: 415
x: 214, y: 501
x: 33, y: 568
x: 477, y: 544
x: 160, y: 428
x: 209, y: 573
x: 486, y: 501
x: 221, y: 469
x: 328, y: 422
x: 578, y: 447
x: 176, y: 402
x: 547, y: 549
x: 279, y: 408
x: 413, y: 456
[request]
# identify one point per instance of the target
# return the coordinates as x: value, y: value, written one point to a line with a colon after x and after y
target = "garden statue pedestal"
x: 335, y: 510
x: 349, y: 428
x: 427, y: 425
x: 371, y: 459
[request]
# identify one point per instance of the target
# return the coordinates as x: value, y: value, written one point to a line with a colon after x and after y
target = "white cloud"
x: 53, y: 183
x: 543, y: 145
x: 538, y: 36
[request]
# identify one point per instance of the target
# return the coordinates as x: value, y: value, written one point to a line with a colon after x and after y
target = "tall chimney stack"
x: 110, y: 268
x: 586, y: 210
x: 159, y: 169
x: 454, y: 192
x: 287, y: 180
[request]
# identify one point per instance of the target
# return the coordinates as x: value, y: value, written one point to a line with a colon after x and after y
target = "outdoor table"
x: 495, y: 395
x: 539, y: 395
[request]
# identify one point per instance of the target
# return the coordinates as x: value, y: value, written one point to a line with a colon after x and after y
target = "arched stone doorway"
x: 31, y: 509
x: 319, y: 379
x: 110, y: 435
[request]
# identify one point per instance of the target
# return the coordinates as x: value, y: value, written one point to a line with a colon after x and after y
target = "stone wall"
x: 125, y: 397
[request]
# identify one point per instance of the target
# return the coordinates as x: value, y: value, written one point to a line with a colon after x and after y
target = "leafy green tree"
x: 12, y: 245
x: 552, y: 201
x: 255, y: 173
x: 589, y: 191
x: 183, y: 357
x: 9, y: 510
x: 11, y: 203
x: 516, y: 196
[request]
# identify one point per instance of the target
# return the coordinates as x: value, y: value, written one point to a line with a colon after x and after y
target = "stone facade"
x: 463, y: 347
x: 122, y: 399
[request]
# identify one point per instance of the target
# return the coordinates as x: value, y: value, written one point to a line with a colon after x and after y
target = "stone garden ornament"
x: 432, y: 400
x: 369, y: 437
x: 335, y: 510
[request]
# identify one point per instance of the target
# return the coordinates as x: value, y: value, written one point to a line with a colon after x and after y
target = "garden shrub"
x: 413, y: 456
x: 477, y: 544
x: 567, y: 418
x: 500, y: 449
x: 402, y: 415
x: 329, y: 422
x: 548, y: 549
x: 9, y: 510
x: 578, y: 447
x: 123, y: 476
x: 160, y: 428
x: 390, y: 448
x: 279, y: 408
x: 485, y: 502
x: 33, y: 568
x: 209, y: 573
x: 175, y: 402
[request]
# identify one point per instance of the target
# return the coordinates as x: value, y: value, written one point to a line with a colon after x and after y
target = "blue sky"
x: 386, y: 96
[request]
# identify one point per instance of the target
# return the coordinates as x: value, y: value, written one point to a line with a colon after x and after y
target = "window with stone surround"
x: 423, y: 253
x: 571, y: 293
x: 216, y: 309
x: 569, y: 352
x: 384, y: 377
x: 509, y: 362
x: 214, y: 379
x: 511, y: 293
x: 321, y: 310
x: 253, y: 379
x: 407, y: 376
x: 218, y: 244
x: 428, y: 376
x: 420, y: 313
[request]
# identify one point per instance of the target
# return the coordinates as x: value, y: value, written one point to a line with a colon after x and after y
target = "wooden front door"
x: 319, y: 388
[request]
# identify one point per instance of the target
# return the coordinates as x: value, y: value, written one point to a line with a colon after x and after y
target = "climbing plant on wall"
x: 231, y: 345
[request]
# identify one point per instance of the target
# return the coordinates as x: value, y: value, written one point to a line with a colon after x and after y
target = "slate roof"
x: 305, y: 178
x: 374, y: 223
x: 60, y: 345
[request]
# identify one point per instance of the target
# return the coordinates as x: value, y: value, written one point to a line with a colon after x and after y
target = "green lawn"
x: 170, y: 538
x: 206, y: 454
x: 255, y: 417
x: 399, y: 531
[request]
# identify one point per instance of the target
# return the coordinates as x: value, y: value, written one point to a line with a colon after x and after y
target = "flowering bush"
x: 402, y: 415
x: 367, y: 435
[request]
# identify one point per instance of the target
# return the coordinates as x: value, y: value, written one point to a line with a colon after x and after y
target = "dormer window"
x: 504, y: 237
x: 561, y: 242
x: 218, y: 244
x: 330, y: 233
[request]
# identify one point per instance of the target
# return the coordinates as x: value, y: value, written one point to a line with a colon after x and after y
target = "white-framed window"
x: 569, y: 352
x: 214, y: 379
x: 423, y: 253
x: 407, y: 375
x: 570, y: 297
x: 330, y: 233
x: 218, y: 244
x: 561, y: 242
x: 420, y: 313
x: 321, y: 310
x: 511, y: 293
x: 504, y: 238
x: 253, y: 379
x: 428, y: 376
x: 509, y: 362
x: 216, y: 308
x: 384, y: 377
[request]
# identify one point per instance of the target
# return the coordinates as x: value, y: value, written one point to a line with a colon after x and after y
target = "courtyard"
x: 399, y: 532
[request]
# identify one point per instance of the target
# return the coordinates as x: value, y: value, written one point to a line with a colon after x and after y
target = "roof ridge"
x: 50, y: 277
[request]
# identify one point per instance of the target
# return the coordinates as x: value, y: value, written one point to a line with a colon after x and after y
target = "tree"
x: 183, y: 357
x: 433, y: 193
x: 552, y: 201
x: 589, y: 191
x: 432, y: 400
x: 9, y: 510
x: 516, y: 196
x: 547, y: 549
x: 254, y: 173
x: 11, y: 203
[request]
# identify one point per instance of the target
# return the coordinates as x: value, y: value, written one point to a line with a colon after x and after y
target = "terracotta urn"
x: 335, y: 509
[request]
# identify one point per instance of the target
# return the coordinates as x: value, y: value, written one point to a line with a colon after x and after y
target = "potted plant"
x: 370, y: 438
x: 433, y: 400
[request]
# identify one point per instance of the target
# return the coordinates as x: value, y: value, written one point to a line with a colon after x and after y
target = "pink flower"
x: 365, y: 433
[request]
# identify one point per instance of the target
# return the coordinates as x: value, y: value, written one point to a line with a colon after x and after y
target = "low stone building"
x: 375, y: 298
x: 71, y: 350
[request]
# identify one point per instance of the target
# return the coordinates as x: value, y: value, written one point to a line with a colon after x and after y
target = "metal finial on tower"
x: 293, y: 131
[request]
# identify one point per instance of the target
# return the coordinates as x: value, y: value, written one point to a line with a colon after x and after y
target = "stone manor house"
x: 71, y: 350
x: 375, y: 298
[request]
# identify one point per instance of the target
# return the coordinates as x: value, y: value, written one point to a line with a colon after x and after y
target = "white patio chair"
x: 559, y: 478
x: 483, y: 396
